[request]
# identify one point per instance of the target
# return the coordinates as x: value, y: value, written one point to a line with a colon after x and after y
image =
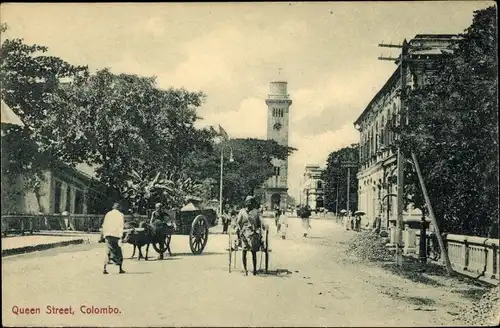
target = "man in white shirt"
x: 112, y: 230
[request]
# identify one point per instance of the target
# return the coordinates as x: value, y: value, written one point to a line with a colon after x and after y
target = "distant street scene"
x: 250, y: 165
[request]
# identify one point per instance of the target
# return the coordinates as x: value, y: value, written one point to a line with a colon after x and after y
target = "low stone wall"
x: 476, y: 257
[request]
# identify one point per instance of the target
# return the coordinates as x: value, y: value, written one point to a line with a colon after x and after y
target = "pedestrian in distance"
x: 277, y: 214
x: 283, y: 224
x: 112, y: 230
x: 357, y: 222
x: 248, y: 229
x: 226, y: 218
x: 305, y: 214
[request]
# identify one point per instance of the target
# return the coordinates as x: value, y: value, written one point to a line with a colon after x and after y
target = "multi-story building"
x: 312, y: 187
x: 278, y: 108
x: 377, y: 174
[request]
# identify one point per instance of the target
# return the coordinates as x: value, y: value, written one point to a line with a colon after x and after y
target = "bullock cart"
x: 192, y: 223
x: 235, y: 246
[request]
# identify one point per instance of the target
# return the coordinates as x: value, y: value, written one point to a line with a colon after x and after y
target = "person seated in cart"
x: 248, y: 230
x: 160, y: 217
x: 157, y: 213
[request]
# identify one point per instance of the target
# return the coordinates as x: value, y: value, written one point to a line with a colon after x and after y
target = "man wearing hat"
x: 248, y: 228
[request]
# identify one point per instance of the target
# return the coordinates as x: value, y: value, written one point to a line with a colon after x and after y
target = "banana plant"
x: 144, y: 189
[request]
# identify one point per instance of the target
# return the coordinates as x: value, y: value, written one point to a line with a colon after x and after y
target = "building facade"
x: 278, y: 103
x: 312, y: 187
x: 377, y: 177
x: 62, y: 188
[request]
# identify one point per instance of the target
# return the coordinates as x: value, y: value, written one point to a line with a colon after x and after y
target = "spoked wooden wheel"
x: 161, y: 247
x: 198, y: 236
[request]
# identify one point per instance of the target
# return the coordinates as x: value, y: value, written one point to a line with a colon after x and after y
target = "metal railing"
x: 29, y: 223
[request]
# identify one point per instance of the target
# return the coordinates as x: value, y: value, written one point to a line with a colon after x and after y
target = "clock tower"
x: 278, y: 106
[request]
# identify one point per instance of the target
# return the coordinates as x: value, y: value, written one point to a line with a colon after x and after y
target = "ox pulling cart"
x: 192, y: 223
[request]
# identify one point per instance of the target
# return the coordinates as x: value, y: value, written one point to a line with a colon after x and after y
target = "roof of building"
x: 426, y: 51
x: 8, y: 116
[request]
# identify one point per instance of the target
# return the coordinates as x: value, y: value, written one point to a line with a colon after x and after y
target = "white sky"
x: 231, y: 51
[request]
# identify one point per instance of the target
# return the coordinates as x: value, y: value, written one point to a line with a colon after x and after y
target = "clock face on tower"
x: 277, y: 126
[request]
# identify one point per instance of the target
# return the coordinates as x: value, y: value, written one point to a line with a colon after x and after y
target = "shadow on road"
x: 473, y: 293
x: 279, y: 273
x: 154, y: 259
x: 202, y: 254
x: 412, y: 272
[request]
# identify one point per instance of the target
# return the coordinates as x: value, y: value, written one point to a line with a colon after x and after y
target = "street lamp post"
x: 337, y: 201
x: 222, y: 171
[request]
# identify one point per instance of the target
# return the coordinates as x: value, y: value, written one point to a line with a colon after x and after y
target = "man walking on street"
x: 226, y: 218
x: 277, y: 214
x: 283, y: 224
x: 112, y: 230
x: 305, y: 213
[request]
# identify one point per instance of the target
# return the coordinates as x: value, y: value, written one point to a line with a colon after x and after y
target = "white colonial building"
x: 377, y: 174
x: 312, y: 187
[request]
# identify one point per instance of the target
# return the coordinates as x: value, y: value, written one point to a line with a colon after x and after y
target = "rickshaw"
x: 235, y: 246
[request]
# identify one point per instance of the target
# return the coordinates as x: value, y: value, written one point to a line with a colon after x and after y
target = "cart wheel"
x: 198, y: 235
x: 161, y: 248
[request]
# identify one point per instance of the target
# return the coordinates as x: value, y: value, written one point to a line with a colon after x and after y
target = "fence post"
x: 491, y: 246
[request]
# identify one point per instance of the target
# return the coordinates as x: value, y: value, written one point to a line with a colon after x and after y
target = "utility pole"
x: 400, y: 157
x: 444, y: 254
x: 348, y: 189
x: 337, y: 201
x: 349, y: 163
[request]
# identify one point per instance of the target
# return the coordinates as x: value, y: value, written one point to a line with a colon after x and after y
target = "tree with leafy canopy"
x: 453, y: 130
x: 251, y: 167
x: 118, y: 123
x: 335, y: 176
x: 137, y: 135
x: 30, y: 83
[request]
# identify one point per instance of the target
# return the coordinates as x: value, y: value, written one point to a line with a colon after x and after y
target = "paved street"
x: 315, y: 286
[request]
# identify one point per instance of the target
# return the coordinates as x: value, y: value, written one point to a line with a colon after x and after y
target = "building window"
x: 57, y: 197
x: 276, y: 171
x: 278, y: 112
x: 78, y: 202
x: 319, y: 185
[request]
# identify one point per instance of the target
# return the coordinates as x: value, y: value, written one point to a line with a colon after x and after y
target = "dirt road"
x: 312, y: 284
